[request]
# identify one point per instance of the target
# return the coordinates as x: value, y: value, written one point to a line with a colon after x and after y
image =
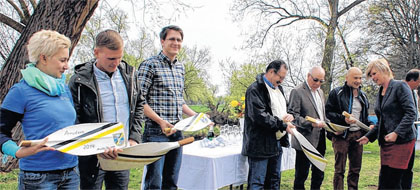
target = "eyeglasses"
x: 317, y: 79
x: 179, y: 40
x: 276, y: 73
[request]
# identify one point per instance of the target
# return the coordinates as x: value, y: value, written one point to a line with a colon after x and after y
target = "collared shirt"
x: 162, y: 85
x: 114, y: 97
x: 318, y: 101
x: 356, y: 110
x: 278, y: 105
x: 267, y: 82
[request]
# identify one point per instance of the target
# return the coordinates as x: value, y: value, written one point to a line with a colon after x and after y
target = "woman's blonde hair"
x: 46, y: 42
x: 380, y: 65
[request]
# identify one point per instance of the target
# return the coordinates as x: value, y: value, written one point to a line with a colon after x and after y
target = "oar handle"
x: 346, y: 114
x: 167, y: 130
x: 186, y: 141
x: 28, y: 143
x: 311, y: 119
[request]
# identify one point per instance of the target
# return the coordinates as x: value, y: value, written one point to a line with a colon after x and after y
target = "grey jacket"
x: 396, y: 113
x: 302, y: 104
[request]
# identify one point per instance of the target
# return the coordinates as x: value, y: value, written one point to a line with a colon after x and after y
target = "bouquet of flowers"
x: 238, y: 107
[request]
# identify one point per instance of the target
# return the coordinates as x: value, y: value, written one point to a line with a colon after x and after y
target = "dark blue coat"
x: 396, y: 113
x: 260, y: 124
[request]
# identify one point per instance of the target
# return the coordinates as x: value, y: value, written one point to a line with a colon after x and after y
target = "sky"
x: 207, y: 25
x: 211, y: 26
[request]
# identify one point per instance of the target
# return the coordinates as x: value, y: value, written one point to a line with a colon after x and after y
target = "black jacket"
x: 260, y: 124
x: 396, y: 113
x: 84, y: 89
x: 339, y: 100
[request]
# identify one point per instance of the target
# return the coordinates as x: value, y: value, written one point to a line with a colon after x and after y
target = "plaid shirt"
x: 162, y: 85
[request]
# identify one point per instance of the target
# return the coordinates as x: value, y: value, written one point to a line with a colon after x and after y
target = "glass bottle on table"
x: 210, y: 134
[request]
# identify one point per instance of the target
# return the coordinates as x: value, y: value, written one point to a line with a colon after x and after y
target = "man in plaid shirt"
x: 161, y: 83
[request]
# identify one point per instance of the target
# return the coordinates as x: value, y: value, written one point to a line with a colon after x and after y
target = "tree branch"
x: 11, y: 23
x: 20, y: 13
x: 349, y: 7
x: 33, y: 3
x: 345, y: 48
x: 25, y: 10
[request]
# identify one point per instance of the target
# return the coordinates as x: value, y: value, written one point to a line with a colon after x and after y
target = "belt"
x: 52, y: 171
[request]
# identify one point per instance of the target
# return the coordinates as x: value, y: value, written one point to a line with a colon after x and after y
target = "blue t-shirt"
x: 42, y: 115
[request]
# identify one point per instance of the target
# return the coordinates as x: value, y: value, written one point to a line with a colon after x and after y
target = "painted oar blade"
x: 141, y: 154
x: 362, y: 125
x: 193, y: 123
x: 86, y: 139
x: 332, y: 127
x: 311, y: 153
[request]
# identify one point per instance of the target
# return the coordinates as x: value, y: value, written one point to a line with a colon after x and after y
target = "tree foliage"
x: 272, y: 14
x: 393, y: 30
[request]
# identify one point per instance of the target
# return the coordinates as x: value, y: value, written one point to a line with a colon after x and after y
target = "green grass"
x: 368, y: 176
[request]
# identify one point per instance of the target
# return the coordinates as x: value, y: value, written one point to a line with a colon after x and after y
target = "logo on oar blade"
x: 118, y: 139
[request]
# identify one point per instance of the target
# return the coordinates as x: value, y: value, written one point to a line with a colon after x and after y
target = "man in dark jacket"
x: 266, y: 121
x: 412, y: 78
x: 105, y: 90
x: 352, y: 99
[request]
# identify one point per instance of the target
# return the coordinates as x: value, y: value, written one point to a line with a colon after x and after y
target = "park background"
x: 227, y: 43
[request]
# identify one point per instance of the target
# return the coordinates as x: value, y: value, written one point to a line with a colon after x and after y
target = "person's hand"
x: 371, y: 126
x: 165, y: 124
x: 288, y: 118
x: 350, y: 120
x: 319, y: 124
x: 363, y: 140
x: 289, y: 128
x: 338, y: 132
x: 132, y: 142
x: 110, y: 153
x: 28, y: 151
x: 391, y: 137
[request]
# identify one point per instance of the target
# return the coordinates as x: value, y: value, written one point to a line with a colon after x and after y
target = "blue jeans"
x: 162, y: 174
x: 113, y: 179
x: 57, y: 179
x: 265, y: 173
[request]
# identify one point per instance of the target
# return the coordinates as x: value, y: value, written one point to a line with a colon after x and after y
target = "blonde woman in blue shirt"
x: 42, y: 102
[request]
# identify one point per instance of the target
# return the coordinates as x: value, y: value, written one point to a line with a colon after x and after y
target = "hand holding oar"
x: 28, y: 151
x: 84, y: 139
x: 331, y: 127
x: 358, y: 123
x: 143, y: 153
x: 193, y: 123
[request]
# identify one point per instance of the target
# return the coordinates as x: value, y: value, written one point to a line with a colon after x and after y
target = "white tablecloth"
x: 213, y: 168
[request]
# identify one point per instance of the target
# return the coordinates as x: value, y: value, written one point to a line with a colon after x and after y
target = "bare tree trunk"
x: 67, y: 17
x: 329, y: 47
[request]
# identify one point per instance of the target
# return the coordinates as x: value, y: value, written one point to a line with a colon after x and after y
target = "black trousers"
x: 407, y: 177
x: 390, y: 178
x: 302, y: 165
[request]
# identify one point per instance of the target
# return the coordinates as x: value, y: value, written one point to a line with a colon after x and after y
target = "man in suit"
x: 308, y: 99
x: 412, y: 78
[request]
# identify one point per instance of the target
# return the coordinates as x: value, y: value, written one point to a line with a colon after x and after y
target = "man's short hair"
x: 165, y: 30
x: 276, y: 65
x: 109, y: 39
x: 413, y: 74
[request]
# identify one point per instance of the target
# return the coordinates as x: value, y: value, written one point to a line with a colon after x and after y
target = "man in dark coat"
x: 266, y: 121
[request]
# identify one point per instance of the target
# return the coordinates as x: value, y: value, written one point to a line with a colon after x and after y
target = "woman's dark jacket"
x: 396, y: 113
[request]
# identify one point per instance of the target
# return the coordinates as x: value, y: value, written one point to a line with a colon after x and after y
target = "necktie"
x: 415, y: 103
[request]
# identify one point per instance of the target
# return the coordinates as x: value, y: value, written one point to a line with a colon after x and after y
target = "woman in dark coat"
x: 395, y: 130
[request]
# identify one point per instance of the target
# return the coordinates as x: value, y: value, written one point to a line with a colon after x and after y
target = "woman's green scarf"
x: 43, y: 82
